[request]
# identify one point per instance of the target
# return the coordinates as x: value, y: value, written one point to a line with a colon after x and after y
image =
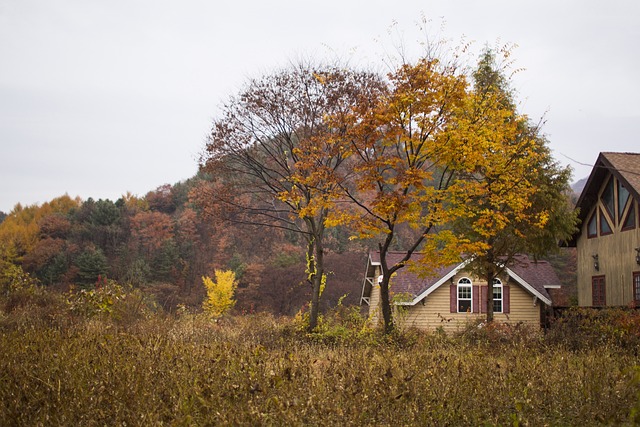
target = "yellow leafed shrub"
x: 219, y: 298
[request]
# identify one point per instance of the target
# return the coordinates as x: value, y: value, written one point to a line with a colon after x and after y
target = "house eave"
x: 436, y: 285
x: 447, y: 277
x: 528, y: 287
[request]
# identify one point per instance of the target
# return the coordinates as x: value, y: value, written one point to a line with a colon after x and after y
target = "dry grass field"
x: 88, y: 360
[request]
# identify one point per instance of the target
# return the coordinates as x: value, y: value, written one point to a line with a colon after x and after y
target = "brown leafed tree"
x: 150, y: 230
x: 275, y: 157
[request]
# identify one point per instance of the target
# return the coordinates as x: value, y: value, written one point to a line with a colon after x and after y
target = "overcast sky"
x: 98, y: 98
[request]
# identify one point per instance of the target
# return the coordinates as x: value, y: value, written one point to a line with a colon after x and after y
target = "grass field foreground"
x: 61, y: 368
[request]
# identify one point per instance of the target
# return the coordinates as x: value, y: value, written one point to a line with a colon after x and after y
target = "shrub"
x: 260, y: 370
x: 110, y: 300
x: 580, y: 328
x: 493, y: 333
x: 256, y: 370
x: 13, y: 278
x: 25, y: 302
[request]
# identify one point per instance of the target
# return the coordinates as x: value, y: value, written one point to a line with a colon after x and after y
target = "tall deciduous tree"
x: 513, y: 195
x: 274, y: 152
x: 150, y: 230
x: 396, y: 147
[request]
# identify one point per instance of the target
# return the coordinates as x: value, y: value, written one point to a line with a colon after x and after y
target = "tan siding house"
x: 608, y: 243
x: 451, y: 297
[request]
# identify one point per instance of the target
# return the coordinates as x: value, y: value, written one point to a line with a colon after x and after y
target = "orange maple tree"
x: 397, y: 146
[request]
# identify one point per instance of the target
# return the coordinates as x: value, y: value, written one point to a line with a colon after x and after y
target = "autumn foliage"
x: 308, y: 168
x: 162, y: 244
x: 220, y: 294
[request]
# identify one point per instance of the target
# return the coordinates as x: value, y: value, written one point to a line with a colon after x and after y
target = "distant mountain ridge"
x: 578, y: 186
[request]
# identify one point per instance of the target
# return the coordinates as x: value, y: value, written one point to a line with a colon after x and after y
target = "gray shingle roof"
x: 627, y: 165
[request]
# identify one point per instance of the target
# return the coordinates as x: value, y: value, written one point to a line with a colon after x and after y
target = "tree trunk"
x: 385, y: 304
x: 490, y: 269
x: 318, y: 275
x: 489, y: 301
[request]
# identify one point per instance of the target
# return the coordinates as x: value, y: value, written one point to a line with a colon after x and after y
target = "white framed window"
x: 465, y: 295
x: 497, y: 296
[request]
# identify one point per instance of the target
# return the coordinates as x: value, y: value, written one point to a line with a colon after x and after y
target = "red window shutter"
x: 483, y: 299
x: 475, y: 298
x: 453, y: 298
x: 506, y: 301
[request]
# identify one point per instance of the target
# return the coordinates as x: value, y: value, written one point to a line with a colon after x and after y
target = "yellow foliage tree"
x: 219, y: 298
x: 456, y: 163
x: 512, y: 195
x: 19, y: 231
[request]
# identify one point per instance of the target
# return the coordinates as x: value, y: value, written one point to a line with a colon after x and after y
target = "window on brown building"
x: 598, y: 294
x: 608, y: 198
x: 592, y: 227
x: 630, y: 222
x: 623, y: 198
x: 605, y: 228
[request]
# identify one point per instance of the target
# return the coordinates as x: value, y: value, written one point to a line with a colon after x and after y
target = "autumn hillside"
x: 164, y: 242
x: 430, y: 158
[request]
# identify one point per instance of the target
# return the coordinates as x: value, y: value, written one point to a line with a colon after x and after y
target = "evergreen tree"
x: 515, y: 195
x: 91, y: 263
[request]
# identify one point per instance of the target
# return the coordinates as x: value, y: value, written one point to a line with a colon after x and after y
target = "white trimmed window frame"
x: 464, y: 292
x: 497, y: 284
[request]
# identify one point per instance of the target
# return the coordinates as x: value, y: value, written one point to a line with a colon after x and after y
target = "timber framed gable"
x: 615, y: 209
x: 608, y: 242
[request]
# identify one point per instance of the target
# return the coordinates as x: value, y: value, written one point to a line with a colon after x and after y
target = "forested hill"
x: 165, y: 242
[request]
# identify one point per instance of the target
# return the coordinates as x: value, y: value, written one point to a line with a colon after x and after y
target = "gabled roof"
x: 407, y: 281
x: 624, y: 166
x: 534, y: 276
